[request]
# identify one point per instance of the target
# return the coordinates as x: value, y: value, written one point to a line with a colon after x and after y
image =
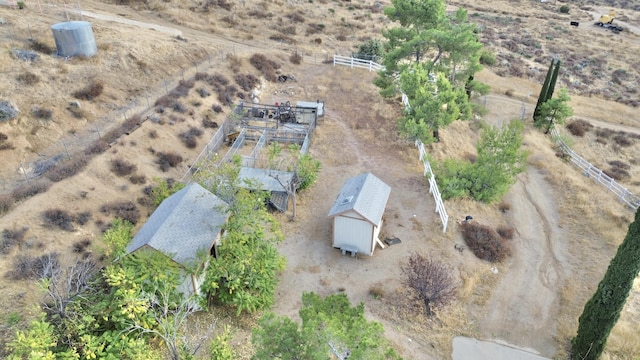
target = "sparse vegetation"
x: 42, y: 47
x: 267, y: 67
x: 28, y: 78
x: 190, y: 137
x: 68, y: 168
x: 11, y: 238
x: 579, y: 127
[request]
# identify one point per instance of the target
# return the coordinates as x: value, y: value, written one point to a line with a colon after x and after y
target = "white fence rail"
x: 433, y: 186
x: 591, y: 171
x: 357, y: 63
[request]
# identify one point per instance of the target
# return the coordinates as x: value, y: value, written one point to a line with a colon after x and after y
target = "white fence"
x: 357, y: 63
x: 433, y: 186
x: 589, y: 170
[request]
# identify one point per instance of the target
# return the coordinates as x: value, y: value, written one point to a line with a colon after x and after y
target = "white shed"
x: 357, y: 214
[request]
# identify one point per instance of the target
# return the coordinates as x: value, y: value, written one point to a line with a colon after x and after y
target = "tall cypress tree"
x: 543, y: 92
x: 603, y: 310
x: 552, y: 83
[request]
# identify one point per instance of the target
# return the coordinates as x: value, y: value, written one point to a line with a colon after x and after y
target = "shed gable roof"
x: 184, y: 223
x: 365, y: 194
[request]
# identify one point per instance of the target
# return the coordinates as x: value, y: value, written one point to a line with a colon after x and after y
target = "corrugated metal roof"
x: 265, y: 178
x: 185, y: 223
x: 365, y: 194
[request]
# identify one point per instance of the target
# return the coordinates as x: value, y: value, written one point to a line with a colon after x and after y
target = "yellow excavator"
x: 606, y: 21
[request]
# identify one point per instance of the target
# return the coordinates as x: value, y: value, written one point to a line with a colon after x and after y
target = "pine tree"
x: 543, y: 92
x: 603, y: 310
x: 552, y: 83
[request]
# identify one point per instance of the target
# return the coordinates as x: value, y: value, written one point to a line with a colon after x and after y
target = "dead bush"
x: 209, y: 5
x: 266, y: 66
x: 295, y: 58
x: 153, y: 134
x: 122, y: 167
x: 11, y: 238
x: 485, y: 242
x: 506, y: 232
x: 58, y: 218
x: 604, y: 133
x: 622, y: 139
x: 67, y: 169
x: 41, y: 47
x: 297, y: 16
x: 138, y: 179
x: 617, y: 173
x: 203, y: 92
x: 81, y: 246
x: 234, y: 63
x: 619, y: 164
x: 246, y: 81
x: 31, y: 189
x: 314, y: 29
x: 283, y: 39
x: 504, y: 207
x: 91, y: 91
x: 125, y: 210
x: 218, y: 80
x: 44, y: 114
x: 168, y: 160
x: 579, y: 127
x: 190, y: 137
x: 27, y: 267
x: 164, y: 101
x: 376, y: 291
x: 28, y: 78
x: 97, y: 147
x: 179, y: 107
x: 82, y: 218
x: 6, y: 203
x: 216, y: 108
x: 208, y: 123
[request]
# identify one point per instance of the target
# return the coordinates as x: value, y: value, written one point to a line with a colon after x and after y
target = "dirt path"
x: 527, y: 296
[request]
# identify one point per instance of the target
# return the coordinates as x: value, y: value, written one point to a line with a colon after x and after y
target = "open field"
x: 567, y: 228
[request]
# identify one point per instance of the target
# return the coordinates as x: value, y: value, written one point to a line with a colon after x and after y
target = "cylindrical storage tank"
x: 74, y: 38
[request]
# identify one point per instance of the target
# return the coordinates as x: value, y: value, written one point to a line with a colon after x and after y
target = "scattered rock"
x: 8, y: 111
x: 26, y: 55
x: 75, y: 104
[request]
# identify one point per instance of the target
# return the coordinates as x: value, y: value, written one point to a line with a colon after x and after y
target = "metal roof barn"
x: 74, y: 38
x: 357, y: 214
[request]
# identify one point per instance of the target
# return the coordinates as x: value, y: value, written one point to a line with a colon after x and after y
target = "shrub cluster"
x: 68, y: 168
x: 246, y: 81
x: 314, y: 29
x: 168, y: 160
x: 208, y: 5
x: 11, y: 238
x: 618, y: 170
x: 33, y: 188
x: 58, y: 218
x: 295, y: 58
x: 28, y: 78
x: 26, y: 267
x: 91, y: 91
x: 190, y: 137
x: 122, y: 167
x: 81, y: 246
x: 208, y: 123
x: 41, y: 113
x: 579, y: 127
x: 485, y: 242
x: 267, y: 67
x: 125, y: 210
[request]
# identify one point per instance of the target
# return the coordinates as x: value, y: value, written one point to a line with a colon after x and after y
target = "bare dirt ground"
x: 560, y: 217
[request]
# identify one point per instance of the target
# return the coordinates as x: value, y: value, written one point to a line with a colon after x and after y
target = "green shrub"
x: 308, y: 169
x: 370, y: 50
x: 564, y: 9
x: 487, y: 58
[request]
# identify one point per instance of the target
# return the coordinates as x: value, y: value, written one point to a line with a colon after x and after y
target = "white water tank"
x: 74, y: 38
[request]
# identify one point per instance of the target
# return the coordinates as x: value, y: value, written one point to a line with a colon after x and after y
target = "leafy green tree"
x: 307, y: 171
x: 434, y: 104
x: 370, y: 50
x: 556, y: 110
x: 39, y: 342
x: 603, y: 310
x: 245, y: 274
x: 117, y: 238
x: 163, y: 189
x: 331, y: 328
x: 220, y: 348
x: 427, y: 35
x: 500, y: 159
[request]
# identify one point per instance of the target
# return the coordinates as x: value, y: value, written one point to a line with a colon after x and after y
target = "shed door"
x: 353, y: 232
